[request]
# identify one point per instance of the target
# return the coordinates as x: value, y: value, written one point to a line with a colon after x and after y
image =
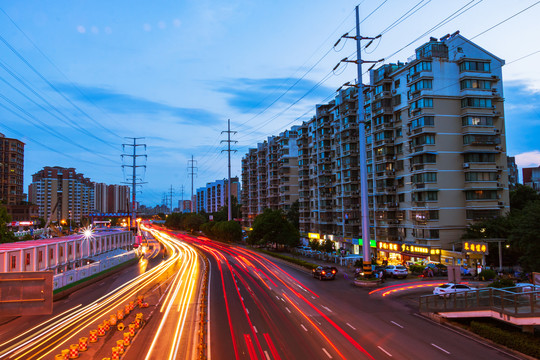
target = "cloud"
x: 252, y: 95
x: 120, y: 103
x: 81, y: 29
x: 147, y: 27
x: 528, y: 159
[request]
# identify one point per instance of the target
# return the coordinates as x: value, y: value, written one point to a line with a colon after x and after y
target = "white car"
x: 450, y: 288
x: 396, y: 271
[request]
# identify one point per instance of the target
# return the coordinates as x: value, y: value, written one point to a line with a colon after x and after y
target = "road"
x: 261, y: 308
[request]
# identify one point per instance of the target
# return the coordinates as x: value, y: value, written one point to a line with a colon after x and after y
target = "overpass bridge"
x: 516, y: 305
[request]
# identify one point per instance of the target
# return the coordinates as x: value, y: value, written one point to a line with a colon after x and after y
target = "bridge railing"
x: 518, y: 304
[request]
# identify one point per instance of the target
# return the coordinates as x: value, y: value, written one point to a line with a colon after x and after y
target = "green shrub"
x: 300, y: 262
x: 358, y: 263
x: 523, y: 343
x: 487, y: 274
x: 416, y: 269
x: 502, y: 283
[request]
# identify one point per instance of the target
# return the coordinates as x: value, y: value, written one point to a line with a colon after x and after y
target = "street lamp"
x: 87, y: 233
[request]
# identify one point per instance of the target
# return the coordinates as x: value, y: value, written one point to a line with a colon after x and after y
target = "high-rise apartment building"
x: 513, y: 172
x: 436, y: 154
x: 270, y: 175
x: 61, y: 194
x: 214, y: 195
x: 11, y: 170
x: 111, y: 198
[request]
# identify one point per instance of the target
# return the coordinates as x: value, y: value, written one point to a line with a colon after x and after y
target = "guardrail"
x: 70, y: 276
x: 502, y: 301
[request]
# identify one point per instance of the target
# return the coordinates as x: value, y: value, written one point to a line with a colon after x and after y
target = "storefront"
x: 399, y: 253
x: 472, y: 255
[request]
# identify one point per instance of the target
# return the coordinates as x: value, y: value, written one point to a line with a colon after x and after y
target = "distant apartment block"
x: 513, y: 172
x: 214, y: 195
x: 11, y: 171
x: 436, y: 154
x: 61, y: 194
x: 111, y: 198
x: 270, y: 175
x: 531, y: 177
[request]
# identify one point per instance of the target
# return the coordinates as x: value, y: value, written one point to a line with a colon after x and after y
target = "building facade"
x: 11, y: 171
x: 214, y: 195
x: 61, y: 194
x: 111, y: 198
x: 436, y: 155
x: 513, y: 172
x: 270, y: 175
x: 531, y: 178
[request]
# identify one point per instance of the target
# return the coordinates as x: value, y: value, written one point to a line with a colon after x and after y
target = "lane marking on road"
x: 327, y: 353
x: 247, y: 310
x: 254, y: 328
x: 440, y: 348
x: 286, y: 308
x: 282, y: 299
x: 266, y: 354
x: 313, y: 297
x: 352, y: 327
x: 303, y: 327
x: 277, y: 297
x: 327, y: 308
x: 395, y: 323
x: 384, y: 351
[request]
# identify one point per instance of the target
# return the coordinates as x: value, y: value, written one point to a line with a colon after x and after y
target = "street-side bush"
x: 358, y: 263
x: 300, y: 262
x: 416, y: 269
x: 487, y: 274
x: 524, y: 343
x: 502, y: 283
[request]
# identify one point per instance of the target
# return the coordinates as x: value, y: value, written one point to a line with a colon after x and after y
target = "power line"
x: 229, y: 141
x: 192, y: 171
x: 134, y: 180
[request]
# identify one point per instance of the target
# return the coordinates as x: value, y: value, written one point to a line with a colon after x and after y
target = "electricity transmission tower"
x: 192, y: 172
x: 134, y: 181
x: 229, y: 141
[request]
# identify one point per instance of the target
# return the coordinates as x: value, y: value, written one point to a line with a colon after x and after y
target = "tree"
x: 271, y: 227
x: 328, y: 246
x: 525, y: 236
x: 6, y: 236
x: 192, y: 222
x: 521, y: 196
x: 293, y: 215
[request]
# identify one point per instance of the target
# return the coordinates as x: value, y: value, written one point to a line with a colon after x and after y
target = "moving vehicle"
x: 451, y: 288
x: 325, y: 272
x: 396, y: 271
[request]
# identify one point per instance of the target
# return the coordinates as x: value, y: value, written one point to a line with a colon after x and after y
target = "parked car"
x: 325, y: 272
x: 396, y: 271
x: 438, y: 269
x: 450, y: 288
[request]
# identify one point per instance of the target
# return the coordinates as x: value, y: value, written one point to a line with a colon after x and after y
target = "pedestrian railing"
x: 503, y: 301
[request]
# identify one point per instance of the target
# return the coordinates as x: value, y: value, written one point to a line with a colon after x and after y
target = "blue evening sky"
x: 76, y: 77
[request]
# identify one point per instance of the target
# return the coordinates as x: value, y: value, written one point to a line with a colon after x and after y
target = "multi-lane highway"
x: 257, y: 308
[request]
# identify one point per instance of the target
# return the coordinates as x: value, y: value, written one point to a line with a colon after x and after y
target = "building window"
x: 482, y: 214
x: 425, y: 139
x: 479, y: 158
x: 481, y: 194
x: 428, y: 177
x: 401, y: 197
x: 477, y: 121
x: 396, y: 83
x: 51, y: 254
x: 425, y: 196
x: 480, y: 176
x: 13, y: 262
x: 40, y: 256
x: 475, y: 84
x: 421, y: 66
x: 422, y: 84
x: 474, y: 66
x: 424, y: 159
x: 476, y: 103
x: 423, y: 103
x: 477, y: 139
x: 423, y: 121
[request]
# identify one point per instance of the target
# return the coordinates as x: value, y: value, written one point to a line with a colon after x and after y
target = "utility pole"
x: 134, y: 180
x: 192, y: 169
x: 181, y: 206
x: 171, y: 198
x: 229, y: 141
x: 361, y: 119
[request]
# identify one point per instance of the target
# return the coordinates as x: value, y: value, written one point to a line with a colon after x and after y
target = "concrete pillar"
x: 35, y: 259
x: 21, y: 260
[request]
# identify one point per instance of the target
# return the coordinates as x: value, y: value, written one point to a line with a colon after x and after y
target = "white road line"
x: 327, y: 353
x: 282, y: 299
x: 277, y: 297
x: 395, y: 323
x: 286, y: 308
x: 247, y: 310
x: 266, y: 354
x: 254, y: 328
x: 327, y: 308
x: 384, y: 351
x: 313, y: 297
x: 440, y: 348
x: 303, y: 327
x: 241, y: 297
x: 352, y: 327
